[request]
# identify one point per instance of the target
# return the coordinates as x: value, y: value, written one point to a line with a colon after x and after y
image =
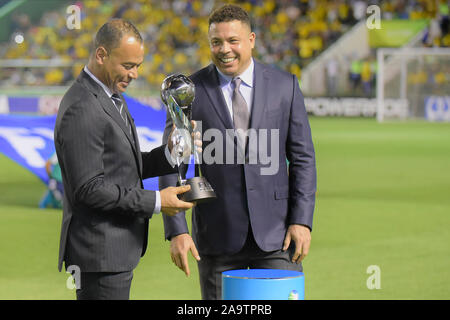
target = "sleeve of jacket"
x: 302, y: 163
x: 80, y: 141
x: 155, y: 163
x: 177, y: 224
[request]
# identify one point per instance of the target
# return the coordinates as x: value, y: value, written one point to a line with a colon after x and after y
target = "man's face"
x: 120, y: 65
x: 231, y: 45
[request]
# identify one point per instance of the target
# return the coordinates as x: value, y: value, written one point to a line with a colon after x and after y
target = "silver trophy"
x: 178, y: 93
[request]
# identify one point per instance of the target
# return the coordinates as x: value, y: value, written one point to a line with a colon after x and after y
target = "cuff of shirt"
x: 157, y: 203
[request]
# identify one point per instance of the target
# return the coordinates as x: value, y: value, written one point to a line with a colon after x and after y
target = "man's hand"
x: 179, y: 247
x: 196, y: 135
x: 170, y: 204
x: 302, y: 239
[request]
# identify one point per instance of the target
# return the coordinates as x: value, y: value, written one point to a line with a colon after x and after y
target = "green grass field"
x: 383, y: 199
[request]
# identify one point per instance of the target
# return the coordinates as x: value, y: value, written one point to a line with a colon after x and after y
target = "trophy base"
x: 201, y: 191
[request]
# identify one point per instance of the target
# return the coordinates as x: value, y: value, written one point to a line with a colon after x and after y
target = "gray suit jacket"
x: 269, y: 203
x: 106, y: 210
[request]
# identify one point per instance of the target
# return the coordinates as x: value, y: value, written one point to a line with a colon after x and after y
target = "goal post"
x: 413, y: 83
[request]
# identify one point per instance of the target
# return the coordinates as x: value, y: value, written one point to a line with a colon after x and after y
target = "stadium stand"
x: 290, y: 34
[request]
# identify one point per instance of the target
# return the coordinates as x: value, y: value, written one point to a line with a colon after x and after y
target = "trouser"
x: 251, y: 256
x: 105, y: 285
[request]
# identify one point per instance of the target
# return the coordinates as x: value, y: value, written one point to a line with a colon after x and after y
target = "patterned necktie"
x: 240, y: 112
x: 119, y: 105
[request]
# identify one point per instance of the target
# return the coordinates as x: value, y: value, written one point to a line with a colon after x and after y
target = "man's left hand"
x: 301, y: 235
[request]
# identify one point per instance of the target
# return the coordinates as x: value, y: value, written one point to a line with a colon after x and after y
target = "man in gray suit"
x: 106, y: 210
x: 260, y: 219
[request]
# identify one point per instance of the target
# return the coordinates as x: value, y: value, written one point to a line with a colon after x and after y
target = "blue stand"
x: 263, y: 284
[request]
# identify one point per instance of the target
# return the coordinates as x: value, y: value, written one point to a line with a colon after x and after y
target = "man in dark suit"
x: 106, y: 210
x: 260, y: 219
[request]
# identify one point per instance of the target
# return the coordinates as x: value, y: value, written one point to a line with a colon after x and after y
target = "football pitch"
x: 383, y: 206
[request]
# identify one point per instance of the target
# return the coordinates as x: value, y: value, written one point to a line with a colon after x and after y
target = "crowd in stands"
x: 289, y: 34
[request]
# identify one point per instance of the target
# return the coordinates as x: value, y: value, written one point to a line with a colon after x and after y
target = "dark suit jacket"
x: 270, y: 203
x: 106, y: 209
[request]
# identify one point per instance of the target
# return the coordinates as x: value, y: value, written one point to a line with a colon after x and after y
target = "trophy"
x: 177, y: 93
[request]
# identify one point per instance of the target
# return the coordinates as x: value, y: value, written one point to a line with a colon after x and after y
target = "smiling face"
x: 231, y: 45
x: 120, y: 65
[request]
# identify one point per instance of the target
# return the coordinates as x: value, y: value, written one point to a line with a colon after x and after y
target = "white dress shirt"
x: 246, y: 87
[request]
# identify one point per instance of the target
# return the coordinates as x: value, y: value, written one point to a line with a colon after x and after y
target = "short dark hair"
x: 230, y: 12
x: 110, y: 34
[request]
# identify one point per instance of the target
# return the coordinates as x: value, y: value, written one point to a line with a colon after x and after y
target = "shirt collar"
x: 101, y: 84
x: 246, y: 76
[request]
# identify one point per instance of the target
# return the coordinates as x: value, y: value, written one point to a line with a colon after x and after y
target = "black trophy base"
x: 201, y: 191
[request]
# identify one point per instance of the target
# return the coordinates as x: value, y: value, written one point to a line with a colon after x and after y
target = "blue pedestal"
x: 263, y: 284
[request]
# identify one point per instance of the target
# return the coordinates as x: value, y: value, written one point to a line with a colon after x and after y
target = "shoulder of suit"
x: 78, y: 93
x: 78, y: 96
x: 274, y: 71
x: 201, y: 73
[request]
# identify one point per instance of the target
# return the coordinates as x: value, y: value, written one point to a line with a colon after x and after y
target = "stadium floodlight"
x: 414, y: 80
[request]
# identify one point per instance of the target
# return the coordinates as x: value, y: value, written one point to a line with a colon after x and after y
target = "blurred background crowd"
x: 290, y: 34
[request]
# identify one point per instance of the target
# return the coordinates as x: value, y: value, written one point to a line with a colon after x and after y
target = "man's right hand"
x: 170, y: 204
x: 179, y: 247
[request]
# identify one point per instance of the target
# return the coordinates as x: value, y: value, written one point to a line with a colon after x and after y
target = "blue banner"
x: 28, y: 140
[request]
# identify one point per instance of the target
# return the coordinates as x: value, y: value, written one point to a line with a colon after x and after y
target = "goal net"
x: 413, y: 83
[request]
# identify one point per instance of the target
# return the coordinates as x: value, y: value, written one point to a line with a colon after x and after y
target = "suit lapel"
x: 260, y: 95
x: 212, y: 87
x: 111, y: 110
x: 135, y: 139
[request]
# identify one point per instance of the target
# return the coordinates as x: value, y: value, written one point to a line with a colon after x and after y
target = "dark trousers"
x: 251, y: 256
x: 105, y: 285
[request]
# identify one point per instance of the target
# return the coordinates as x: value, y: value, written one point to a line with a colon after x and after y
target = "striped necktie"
x: 119, y: 106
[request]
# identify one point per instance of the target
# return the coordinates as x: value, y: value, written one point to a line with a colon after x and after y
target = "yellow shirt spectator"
x: 54, y: 77
x: 440, y: 78
x: 366, y: 72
